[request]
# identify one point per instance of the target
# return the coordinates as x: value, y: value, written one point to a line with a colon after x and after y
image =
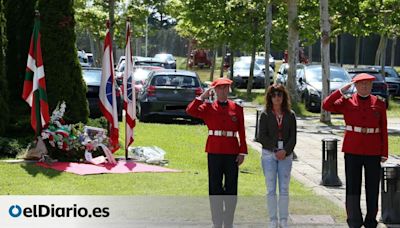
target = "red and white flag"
x: 34, y: 92
x: 108, y: 101
x: 129, y: 91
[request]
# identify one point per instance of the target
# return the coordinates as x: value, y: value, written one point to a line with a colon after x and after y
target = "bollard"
x: 390, y: 194
x: 258, y: 114
x: 329, y: 163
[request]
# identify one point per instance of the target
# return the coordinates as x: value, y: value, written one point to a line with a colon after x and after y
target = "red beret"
x: 362, y: 77
x: 221, y: 81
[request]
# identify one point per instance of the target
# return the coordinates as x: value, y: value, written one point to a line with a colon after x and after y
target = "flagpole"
x: 38, y: 131
x: 126, y: 109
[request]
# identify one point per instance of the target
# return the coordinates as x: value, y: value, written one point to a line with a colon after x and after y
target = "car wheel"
x: 141, y: 116
x: 307, y: 103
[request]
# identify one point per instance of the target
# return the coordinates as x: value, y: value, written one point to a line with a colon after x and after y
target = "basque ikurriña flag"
x: 34, y: 92
x: 129, y: 91
x: 108, y: 101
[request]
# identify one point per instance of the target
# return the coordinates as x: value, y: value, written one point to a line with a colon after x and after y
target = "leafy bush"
x: 9, y: 147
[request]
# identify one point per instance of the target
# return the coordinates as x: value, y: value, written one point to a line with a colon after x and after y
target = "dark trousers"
x: 353, y: 169
x: 223, y: 174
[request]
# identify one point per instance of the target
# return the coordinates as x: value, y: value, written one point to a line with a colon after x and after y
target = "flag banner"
x: 34, y: 92
x: 129, y: 91
x: 107, y: 93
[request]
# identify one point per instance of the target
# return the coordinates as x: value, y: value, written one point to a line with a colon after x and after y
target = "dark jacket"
x: 268, y: 131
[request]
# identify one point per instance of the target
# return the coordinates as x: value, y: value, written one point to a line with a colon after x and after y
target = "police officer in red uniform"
x: 365, y: 145
x: 226, y: 147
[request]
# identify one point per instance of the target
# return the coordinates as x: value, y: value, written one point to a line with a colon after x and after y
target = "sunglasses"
x: 277, y: 94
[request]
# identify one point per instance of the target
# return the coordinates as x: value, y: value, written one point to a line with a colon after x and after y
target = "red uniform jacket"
x: 226, y: 118
x: 368, y: 113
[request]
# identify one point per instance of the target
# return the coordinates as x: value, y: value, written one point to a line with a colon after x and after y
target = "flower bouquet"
x: 75, y: 142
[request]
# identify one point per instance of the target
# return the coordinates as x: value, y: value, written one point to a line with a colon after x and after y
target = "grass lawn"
x: 184, y: 145
x: 394, y: 144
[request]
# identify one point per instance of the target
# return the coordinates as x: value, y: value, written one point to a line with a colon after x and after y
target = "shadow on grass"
x: 34, y: 170
x: 179, y: 121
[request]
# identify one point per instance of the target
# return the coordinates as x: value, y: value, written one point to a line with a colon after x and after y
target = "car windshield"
x: 260, y: 61
x: 141, y: 75
x: 164, y: 57
x: 175, y: 80
x: 336, y: 75
x: 391, y: 72
x: 92, y: 76
x: 149, y: 63
x: 244, y: 66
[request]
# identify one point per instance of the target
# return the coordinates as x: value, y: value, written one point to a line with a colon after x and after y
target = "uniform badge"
x: 234, y: 118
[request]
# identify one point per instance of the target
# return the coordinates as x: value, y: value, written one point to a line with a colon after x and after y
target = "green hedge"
x: 63, y: 72
x: 3, y: 85
x: 19, y: 16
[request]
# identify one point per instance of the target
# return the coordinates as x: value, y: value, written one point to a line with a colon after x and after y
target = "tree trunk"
x: 379, y: 50
x: 336, y: 49
x: 253, y: 57
x: 293, y: 39
x: 310, y: 49
x: 231, y: 64
x: 189, y: 51
x: 138, y: 45
x: 325, y: 58
x: 221, y: 73
x: 215, y: 55
x: 251, y: 76
x: 383, y: 56
x: 111, y: 18
x: 99, y: 48
x: 268, y: 26
x: 393, y: 52
x: 357, y: 54
x: 92, y: 48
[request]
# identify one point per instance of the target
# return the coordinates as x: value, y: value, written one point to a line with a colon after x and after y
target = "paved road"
x: 308, y: 168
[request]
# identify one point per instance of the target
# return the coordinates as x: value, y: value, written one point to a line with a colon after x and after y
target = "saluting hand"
x: 346, y: 87
x: 240, y: 159
x: 206, y: 94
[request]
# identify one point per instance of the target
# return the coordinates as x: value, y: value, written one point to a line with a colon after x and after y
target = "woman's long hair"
x: 286, y: 104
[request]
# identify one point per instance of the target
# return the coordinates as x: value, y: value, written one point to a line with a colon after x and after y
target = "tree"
x: 325, y: 56
x: 353, y: 17
x: 19, y: 23
x: 293, y: 39
x: 268, y: 25
x: 62, y: 69
x: 4, y: 115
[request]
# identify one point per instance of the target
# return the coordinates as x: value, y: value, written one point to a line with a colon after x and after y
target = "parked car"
x: 90, y: 58
x: 167, y: 58
x: 281, y: 76
x: 309, y: 83
x: 167, y: 93
x: 392, y: 79
x: 379, y: 86
x: 148, y: 61
x: 83, y: 59
x: 92, y: 78
x: 241, y: 74
x: 260, y: 60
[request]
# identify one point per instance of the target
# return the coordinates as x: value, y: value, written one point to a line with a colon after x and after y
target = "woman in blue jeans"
x: 277, y: 134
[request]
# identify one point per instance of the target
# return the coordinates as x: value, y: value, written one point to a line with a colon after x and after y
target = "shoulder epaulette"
x: 381, y: 98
